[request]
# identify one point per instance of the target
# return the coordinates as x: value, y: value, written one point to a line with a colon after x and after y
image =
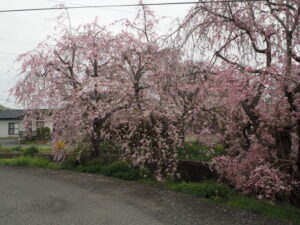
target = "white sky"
x: 22, y: 31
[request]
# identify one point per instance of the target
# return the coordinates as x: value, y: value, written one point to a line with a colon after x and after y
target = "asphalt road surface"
x: 48, y: 197
x: 8, y: 141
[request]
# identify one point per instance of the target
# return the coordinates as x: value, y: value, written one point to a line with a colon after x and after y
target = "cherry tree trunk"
x: 298, y: 157
x: 96, y: 138
x: 284, y: 143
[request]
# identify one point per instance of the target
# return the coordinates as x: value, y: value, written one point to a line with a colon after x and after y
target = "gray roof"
x: 12, y: 114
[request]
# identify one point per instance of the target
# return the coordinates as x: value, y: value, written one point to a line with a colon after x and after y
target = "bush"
x: 118, y: 169
x: 252, y: 174
x: 149, y: 140
x: 266, y: 182
x: 122, y: 170
x: 82, y: 151
x: 197, y: 151
x: 98, y: 161
x: 43, y: 133
x: 91, y: 169
x: 117, y: 166
x: 30, y: 151
x: 109, y: 147
x: 209, y: 190
x: 17, y: 148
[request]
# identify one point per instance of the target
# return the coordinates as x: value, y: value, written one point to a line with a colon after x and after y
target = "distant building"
x: 11, y: 123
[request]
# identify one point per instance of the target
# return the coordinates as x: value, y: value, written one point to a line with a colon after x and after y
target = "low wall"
x: 195, y: 171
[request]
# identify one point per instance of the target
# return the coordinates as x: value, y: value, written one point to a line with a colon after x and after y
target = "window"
x: 13, y: 128
x: 40, y: 124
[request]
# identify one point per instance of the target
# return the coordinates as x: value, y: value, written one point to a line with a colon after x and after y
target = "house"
x: 11, y: 123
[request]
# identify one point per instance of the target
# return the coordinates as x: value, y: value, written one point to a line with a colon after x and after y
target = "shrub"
x: 266, y: 182
x: 30, y: 151
x: 91, y: 169
x: 69, y: 163
x: 29, y: 138
x: 43, y: 133
x: 218, y: 150
x: 81, y: 151
x: 149, y: 140
x: 122, y: 170
x: 209, y: 190
x: 17, y: 148
x: 118, y: 166
x: 252, y: 174
x: 110, y: 147
x: 197, y: 151
x: 98, y: 161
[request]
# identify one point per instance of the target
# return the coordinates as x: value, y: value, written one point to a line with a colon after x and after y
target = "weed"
x: 209, y: 189
x: 30, y: 151
x: 17, y: 148
x: 32, y: 162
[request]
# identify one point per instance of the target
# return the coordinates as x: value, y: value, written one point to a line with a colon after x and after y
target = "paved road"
x: 47, y: 197
x: 13, y: 142
x: 8, y: 141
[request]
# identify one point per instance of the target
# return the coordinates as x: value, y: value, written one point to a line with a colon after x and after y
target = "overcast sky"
x: 22, y: 31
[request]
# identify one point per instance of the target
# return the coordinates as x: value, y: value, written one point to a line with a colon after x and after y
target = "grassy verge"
x: 224, y: 195
x: 108, y: 167
x: 21, y: 149
x: 29, y: 161
x: 281, y: 211
x: 35, y: 142
x: 209, y: 190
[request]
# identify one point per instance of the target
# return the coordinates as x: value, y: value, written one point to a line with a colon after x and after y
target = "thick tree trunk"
x: 182, y: 125
x: 95, y: 148
x: 182, y: 134
x: 96, y: 138
x: 298, y: 156
x: 284, y: 142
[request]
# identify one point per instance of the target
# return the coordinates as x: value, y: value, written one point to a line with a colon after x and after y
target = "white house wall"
x: 4, y: 128
x: 47, y: 123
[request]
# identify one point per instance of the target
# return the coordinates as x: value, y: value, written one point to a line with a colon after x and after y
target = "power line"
x: 76, y: 4
x: 125, y: 5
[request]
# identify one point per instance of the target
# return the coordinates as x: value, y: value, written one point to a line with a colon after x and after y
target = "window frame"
x: 13, y: 129
x: 39, y: 122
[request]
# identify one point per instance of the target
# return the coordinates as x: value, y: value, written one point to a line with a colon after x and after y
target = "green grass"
x: 222, y: 194
x: 196, y: 151
x: 112, y: 168
x: 21, y: 149
x: 30, y: 151
x: 209, y: 190
x: 279, y: 210
x: 29, y: 161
